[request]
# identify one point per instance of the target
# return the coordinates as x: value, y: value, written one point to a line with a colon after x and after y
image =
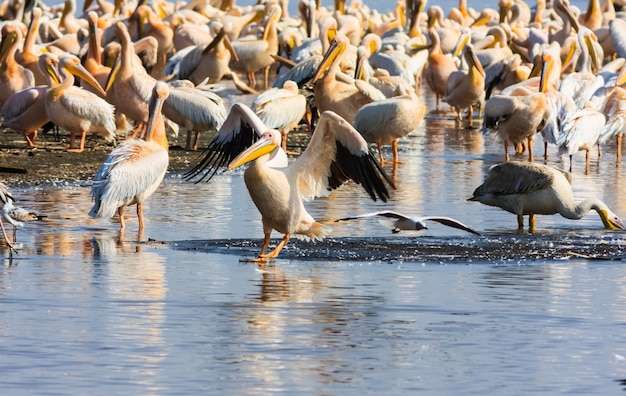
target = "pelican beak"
x: 115, y: 70
x: 546, y: 69
x: 7, y: 42
x: 80, y: 71
x: 87, y: 4
x: 333, y: 51
x: 262, y: 147
x: 472, y: 59
x: 52, y: 72
x: 589, y: 40
x: 218, y: 37
x: 611, y: 221
x: 463, y: 40
x: 156, y: 104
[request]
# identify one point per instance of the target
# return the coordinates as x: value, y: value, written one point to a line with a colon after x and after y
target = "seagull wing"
x: 450, y: 222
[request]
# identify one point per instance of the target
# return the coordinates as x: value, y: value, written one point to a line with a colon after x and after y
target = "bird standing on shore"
x: 135, y: 168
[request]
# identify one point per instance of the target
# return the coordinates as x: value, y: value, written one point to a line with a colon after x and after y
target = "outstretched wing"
x: 238, y: 132
x: 516, y: 178
x: 387, y: 213
x: 337, y: 153
x: 450, y: 222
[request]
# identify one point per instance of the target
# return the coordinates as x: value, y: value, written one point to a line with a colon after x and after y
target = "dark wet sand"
x: 461, y: 250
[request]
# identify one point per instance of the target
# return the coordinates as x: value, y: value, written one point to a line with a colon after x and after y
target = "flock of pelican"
x: 132, y: 72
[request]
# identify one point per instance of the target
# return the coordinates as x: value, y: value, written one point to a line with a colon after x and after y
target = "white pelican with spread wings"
x: 336, y: 153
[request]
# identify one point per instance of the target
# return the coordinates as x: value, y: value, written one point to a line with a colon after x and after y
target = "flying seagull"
x: 403, y: 222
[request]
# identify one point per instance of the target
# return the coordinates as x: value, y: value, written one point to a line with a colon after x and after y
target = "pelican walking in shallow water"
x: 524, y: 188
x: 386, y: 121
x: 403, y: 222
x: 336, y: 153
x: 134, y: 169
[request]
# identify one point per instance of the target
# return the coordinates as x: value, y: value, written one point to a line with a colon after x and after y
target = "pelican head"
x: 10, y: 35
x: 160, y: 92
x: 611, y: 220
x: 337, y: 47
x: 268, y: 142
x: 48, y: 63
x: 71, y: 64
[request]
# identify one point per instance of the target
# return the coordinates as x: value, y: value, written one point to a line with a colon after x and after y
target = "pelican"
x: 517, y: 118
x: 582, y: 84
x: 385, y: 121
x: 524, y: 188
x: 25, y: 111
x: 204, y: 61
x: 195, y: 109
x: 281, y: 109
x: 129, y: 84
x: 404, y: 222
x: 614, y: 110
x: 438, y: 68
x: 149, y: 24
x: 255, y: 54
x: 580, y: 130
x: 76, y: 109
x: 466, y: 87
x: 134, y: 169
x: 28, y: 56
x: 335, y: 154
x: 13, y: 76
x: 333, y: 90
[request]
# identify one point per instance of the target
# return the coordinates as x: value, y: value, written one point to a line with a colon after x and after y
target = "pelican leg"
x: 283, y: 142
x: 278, y: 248
x: 520, y: 222
x: 380, y: 153
x: 506, y: 150
x: 30, y: 138
x: 599, y: 151
x: 195, y: 142
x: 545, y: 150
x: 188, y: 144
x: 531, y: 223
x: 470, y: 115
x: 140, y: 215
x: 266, y: 74
x: 587, y: 161
x: 251, y: 80
x: 139, y: 130
x: 619, y: 147
x: 394, y: 145
x: 81, y: 148
x: 530, y: 150
x: 120, y: 212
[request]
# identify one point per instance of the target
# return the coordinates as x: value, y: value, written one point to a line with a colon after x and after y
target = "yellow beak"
x: 262, y: 147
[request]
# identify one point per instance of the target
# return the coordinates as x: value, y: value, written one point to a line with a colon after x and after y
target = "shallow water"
x: 84, y: 311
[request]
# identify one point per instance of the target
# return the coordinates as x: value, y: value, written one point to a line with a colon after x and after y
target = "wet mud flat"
x: 489, y: 248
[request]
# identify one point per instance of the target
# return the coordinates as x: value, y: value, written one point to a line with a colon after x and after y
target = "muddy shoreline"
x: 50, y: 163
